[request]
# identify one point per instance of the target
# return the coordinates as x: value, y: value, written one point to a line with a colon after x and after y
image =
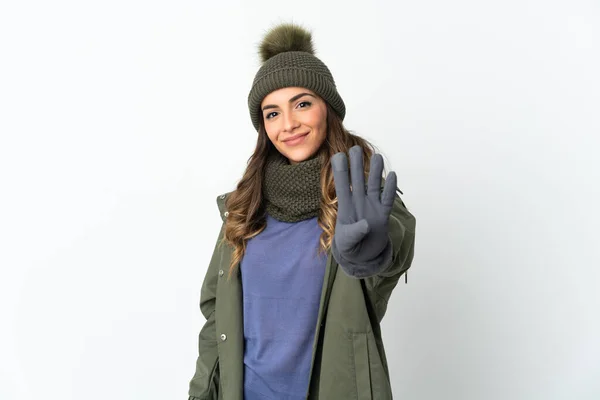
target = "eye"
x: 270, y: 115
x: 308, y: 104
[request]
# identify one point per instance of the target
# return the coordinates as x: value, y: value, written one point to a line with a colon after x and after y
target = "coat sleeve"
x: 205, y: 382
x: 402, y: 234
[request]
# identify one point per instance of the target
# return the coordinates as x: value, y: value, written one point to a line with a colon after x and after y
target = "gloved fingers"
x: 389, y: 191
x: 375, y: 172
x: 339, y: 164
x: 357, y: 175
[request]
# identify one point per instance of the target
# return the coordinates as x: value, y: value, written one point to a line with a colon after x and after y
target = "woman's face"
x: 295, y: 119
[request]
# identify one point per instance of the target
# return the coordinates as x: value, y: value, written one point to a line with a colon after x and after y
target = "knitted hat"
x: 288, y: 60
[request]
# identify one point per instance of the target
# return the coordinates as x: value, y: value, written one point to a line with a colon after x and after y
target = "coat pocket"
x: 362, y: 368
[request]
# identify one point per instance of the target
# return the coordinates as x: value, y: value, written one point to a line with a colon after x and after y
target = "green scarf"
x: 292, y: 192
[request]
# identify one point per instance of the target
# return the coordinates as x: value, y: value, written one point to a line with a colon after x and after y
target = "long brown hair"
x: 246, y: 217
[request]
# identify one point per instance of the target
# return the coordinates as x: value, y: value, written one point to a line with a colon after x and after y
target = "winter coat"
x: 348, y: 360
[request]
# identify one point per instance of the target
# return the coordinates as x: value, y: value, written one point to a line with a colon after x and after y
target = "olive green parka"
x: 348, y: 360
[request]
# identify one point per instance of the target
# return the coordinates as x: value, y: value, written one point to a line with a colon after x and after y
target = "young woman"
x: 312, y: 244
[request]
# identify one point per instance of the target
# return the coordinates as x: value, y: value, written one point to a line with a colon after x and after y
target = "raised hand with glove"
x: 361, y: 244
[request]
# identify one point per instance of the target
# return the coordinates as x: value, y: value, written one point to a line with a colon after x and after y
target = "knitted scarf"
x: 292, y: 192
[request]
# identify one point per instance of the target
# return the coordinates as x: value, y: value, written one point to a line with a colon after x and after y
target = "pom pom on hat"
x: 285, y: 37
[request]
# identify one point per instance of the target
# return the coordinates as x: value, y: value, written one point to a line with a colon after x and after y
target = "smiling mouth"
x: 296, y: 140
x: 295, y: 137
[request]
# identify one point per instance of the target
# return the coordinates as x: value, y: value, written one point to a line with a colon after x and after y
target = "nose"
x: 290, y: 123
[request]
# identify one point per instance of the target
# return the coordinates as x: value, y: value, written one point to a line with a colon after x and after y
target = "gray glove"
x: 361, y: 244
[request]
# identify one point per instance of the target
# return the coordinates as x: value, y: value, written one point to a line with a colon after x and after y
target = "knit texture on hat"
x: 289, y: 60
x: 292, y: 192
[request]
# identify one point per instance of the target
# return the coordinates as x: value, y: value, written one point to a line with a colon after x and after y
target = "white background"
x: 122, y: 121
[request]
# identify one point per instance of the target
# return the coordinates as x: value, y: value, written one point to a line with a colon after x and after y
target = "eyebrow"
x: 296, y: 97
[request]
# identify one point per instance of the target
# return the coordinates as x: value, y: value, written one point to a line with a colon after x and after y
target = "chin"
x: 299, y: 155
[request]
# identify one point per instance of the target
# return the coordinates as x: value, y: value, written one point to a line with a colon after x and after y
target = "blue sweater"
x: 282, y: 278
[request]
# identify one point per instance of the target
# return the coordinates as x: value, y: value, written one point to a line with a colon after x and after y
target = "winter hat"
x: 288, y: 60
